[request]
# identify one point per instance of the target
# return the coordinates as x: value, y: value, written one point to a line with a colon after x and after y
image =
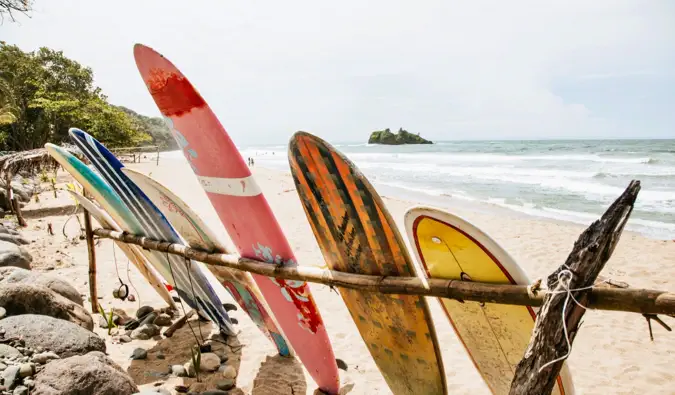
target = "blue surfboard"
x: 191, y: 283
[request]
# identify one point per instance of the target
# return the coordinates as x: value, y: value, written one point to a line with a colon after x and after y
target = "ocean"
x: 572, y: 181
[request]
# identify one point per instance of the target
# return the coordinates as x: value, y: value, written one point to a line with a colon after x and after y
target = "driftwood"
x: 550, y: 345
x: 601, y: 297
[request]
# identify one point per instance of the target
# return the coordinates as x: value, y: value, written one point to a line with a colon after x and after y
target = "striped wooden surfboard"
x: 356, y: 234
x: 242, y: 209
x: 191, y: 283
x: 132, y: 252
x: 198, y: 235
x: 112, y: 203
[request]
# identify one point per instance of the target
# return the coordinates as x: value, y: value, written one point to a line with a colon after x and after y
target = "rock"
x: 92, y: 374
x: 26, y: 370
x: 2, y: 366
x: 61, y: 287
x: 148, y: 319
x: 14, y: 239
x: 214, y: 392
x: 20, y: 390
x: 44, y: 357
x: 7, y: 351
x: 161, y: 356
x: 59, y: 336
x: 143, y: 311
x: 145, y: 332
x: 229, y: 372
x: 402, y: 137
x: 178, y: 370
x: 210, y: 362
x: 3, y: 313
x: 13, y: 255
x: 22, y: 298
x: 181, y: 389
x: 125, y: 339
x: 225, y: 384
x: 10, y: 376
x: 163, y: 320
x: 29, y: 383
x: 139, y: 353
x: 190, y: 369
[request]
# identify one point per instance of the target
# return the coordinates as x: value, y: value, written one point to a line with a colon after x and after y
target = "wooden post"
x: 549, y: 346
x: 157, y: 156
x: 89, y: 234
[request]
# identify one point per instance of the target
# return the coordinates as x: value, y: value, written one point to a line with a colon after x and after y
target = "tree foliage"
x: 11, y: 7
x: 44, y: 93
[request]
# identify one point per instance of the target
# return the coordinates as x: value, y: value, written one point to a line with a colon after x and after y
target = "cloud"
x: 446, y: 69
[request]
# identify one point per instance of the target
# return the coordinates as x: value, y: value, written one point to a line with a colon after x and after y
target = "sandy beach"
x: 612, y: 353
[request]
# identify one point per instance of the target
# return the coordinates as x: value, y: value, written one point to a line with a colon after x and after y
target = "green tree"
x: 50, y: 93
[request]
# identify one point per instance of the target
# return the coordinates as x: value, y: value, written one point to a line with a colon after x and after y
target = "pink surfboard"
x: 242, y: 209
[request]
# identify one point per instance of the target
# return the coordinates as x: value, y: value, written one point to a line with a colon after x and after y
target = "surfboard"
x: 494, y: 335
x: 356, y: 234
x: 198, y: 235
x: 106, y: 197
x: 190, y: 282
x: 131, y: 251
x: 242, y: 209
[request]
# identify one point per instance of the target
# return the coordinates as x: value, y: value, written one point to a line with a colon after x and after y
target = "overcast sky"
x: 446, y: 69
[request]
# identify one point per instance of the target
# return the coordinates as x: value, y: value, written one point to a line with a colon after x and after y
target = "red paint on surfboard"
x: 248, y: 219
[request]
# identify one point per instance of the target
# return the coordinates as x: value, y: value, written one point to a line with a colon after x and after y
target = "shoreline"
x: 457, y: 205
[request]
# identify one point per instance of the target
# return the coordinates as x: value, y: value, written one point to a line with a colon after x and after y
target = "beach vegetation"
x: 44, y: 93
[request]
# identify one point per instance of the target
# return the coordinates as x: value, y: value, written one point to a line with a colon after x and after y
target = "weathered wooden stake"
x: 89, y: 235
x: 588, y: 257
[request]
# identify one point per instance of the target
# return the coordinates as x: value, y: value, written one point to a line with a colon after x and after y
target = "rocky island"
x: 402, y: 137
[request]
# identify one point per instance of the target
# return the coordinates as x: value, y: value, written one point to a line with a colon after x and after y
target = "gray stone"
x: 225, y: 384
x: 92, y: 374
x: 61, y: 287
x: 20, y: 390
x: 163, y: 320
x: 20, y: 298
x: 210, y: 362
x: 10, y: 376
x: 229, y: 372
x: 145, y: 332
x: 7, y: 351
x: 178, y: 370
x: 125, y: 339
x: 44, y: 357
x: 13, y: 255
x: 214, y: 392
x: 14, y: 239
x: 148, y: 319
x: 61, y: 337
x: 139, y: 353
x: 3, y: 313
x: 143, y: 311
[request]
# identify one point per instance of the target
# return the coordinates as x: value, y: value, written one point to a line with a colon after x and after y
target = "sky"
x: 445, y: 69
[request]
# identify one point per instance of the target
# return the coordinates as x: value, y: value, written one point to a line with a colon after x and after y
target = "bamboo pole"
x: 644, y: 301
x: 89, y: 235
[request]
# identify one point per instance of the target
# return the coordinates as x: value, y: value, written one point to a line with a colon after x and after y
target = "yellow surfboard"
x: 495, y: 336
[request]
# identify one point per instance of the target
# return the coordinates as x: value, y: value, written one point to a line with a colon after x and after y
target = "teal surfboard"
x: 111, y: 201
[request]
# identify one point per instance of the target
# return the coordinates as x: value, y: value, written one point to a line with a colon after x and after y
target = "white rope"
x: 564, y: 279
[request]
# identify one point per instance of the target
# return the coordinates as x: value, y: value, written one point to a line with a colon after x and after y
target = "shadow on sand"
x: 176, y: 351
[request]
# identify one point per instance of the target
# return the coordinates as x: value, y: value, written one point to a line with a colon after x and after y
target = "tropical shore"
x: 609, y: 355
